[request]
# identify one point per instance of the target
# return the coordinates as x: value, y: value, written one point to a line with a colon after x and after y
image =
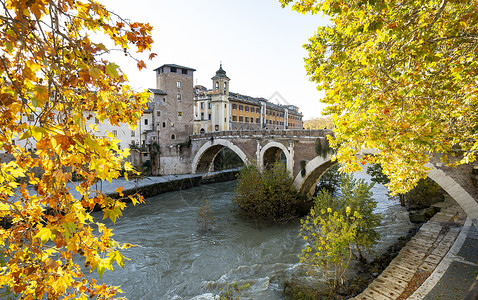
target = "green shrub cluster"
x: 357, y: 195
x: 267, y: 195
x: 338, y: 226
x: 426, y: 193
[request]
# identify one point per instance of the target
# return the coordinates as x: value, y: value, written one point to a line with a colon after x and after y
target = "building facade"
x: 218, y: 109
x: 177, y: 109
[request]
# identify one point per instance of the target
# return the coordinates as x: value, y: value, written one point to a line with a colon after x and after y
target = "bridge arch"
x: 456, y: 191
x: 318, y: 166
x: 314, y: 169
x: 271, y: 152
x: 204, y: 158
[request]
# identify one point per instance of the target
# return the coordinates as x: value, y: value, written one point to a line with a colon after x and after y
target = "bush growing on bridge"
x: 267, y: 195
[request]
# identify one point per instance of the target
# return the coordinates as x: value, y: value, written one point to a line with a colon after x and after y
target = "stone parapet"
x: 264, y: 133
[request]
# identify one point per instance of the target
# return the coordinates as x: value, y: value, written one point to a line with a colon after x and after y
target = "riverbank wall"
x: 152, y: 186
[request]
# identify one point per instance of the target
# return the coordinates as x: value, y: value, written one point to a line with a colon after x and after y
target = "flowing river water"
x: 173, y: 261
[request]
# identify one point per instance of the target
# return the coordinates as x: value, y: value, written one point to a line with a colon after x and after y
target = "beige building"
x: 219, y: 109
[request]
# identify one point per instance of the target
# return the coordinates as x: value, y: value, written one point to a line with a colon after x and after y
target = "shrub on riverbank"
x: 267, y: 195
x: 337, y: 226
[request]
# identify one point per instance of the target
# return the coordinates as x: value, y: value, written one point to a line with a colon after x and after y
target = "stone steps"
x: 419, y: 257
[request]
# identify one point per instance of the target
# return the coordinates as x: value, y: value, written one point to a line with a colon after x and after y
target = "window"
x: 178, y: 84
x: 217, y: 85
x: 133, y: 133
x: 247, y: 108
x: 145, y: 121
x: 164, y: 99
x: 257, y: 120
x: 247, y: 119
x: 179, y: 96
x: 158, y: 113
x: 185, y: 72
x: 115, y: 133
x: 252, y: 109
x: 209, y: 105
x: 234, y: 106
x: 164, y: 124
x: 270, y: 121
x: 252, y: 120
x: 173, y: 137
x: 234, y: 118
x: 209, y: 116
x: 241, y: 107
x: 145, y: 154
x: 180, y: 113
x: 241, y: 119
x: 173, y: 70
x: 202, y: 116
x: 202, y: 105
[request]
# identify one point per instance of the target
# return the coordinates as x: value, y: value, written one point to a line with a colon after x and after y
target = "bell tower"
x: 220, y: 82
x: 221, y: 113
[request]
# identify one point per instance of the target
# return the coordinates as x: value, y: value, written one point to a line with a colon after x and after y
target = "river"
x: 173, y: 261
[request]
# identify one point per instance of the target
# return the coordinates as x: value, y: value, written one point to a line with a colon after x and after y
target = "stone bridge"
x: 297, y: 148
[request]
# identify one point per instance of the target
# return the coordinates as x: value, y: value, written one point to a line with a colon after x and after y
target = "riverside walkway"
x: 439, y: 262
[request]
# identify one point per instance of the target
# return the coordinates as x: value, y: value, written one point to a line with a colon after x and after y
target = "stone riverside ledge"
x: 152, y: 186
x: 149, y: 186
x: 419, y: 258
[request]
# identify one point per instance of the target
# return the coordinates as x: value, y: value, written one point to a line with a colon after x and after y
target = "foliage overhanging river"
x: 173, y: 261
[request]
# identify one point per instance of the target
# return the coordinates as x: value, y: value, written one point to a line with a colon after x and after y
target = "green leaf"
x: 119, y: 259
x: 111, y: 70
x: 44, y: 234
x: 38, y: 132
x: 101, y: 269
x: 94, y: 72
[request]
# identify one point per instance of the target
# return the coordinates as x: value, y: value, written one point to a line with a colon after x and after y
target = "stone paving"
x: 420, y: 257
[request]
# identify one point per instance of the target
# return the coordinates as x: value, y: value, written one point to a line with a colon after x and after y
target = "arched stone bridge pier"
x: 298, y: 147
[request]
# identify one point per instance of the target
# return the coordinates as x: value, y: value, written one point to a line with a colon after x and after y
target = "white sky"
x: 258, y: 42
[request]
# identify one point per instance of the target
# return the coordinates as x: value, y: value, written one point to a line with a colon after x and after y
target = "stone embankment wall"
x: 178, y: 184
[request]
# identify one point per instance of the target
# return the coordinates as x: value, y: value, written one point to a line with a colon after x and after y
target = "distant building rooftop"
x: 175, y: 66
x: 157, y: 91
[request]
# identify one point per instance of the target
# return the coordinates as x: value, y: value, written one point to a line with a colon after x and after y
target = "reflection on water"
x: 173, y: 261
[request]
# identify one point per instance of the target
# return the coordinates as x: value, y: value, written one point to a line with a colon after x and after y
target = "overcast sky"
x: 258, y: 42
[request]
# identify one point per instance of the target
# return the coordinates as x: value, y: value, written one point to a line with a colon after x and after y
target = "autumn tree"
x: 53, y: 68
x: 399, y: 77
x: 319, y: 123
